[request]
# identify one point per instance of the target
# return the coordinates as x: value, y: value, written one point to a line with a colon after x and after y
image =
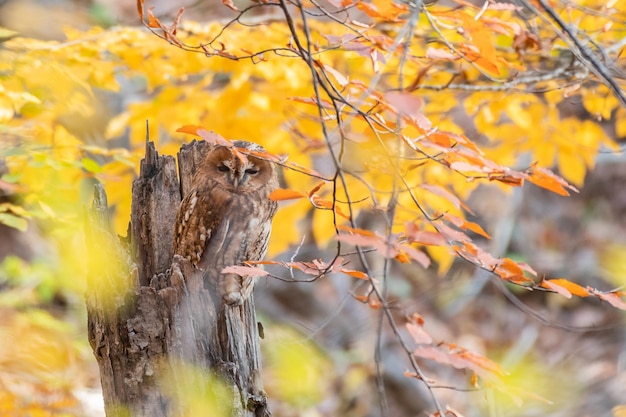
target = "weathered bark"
x: 156, y: 197
x: 151, y: 318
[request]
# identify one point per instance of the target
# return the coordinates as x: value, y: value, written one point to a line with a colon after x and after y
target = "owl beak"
x: 239, y: 180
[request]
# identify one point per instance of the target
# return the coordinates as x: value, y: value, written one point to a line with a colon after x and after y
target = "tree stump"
x: 155, y: 330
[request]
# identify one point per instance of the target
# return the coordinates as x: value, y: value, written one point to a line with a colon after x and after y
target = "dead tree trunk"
x: 160, y: 338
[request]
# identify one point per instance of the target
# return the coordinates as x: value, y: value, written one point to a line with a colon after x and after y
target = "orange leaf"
x: 415, y: 327
x: 474, y: 54
x: 174, y: 26
x: 383, y: 9
x: 319, y: 202
x: 507, y: 179
x: 230, y: 5
x: 316, y: 188
x: 564, y: 287
x: 480, y: 364
x: 464, y: 224
x: 190, y: 129
x: 355, y: 274
x: 153, y: 22
x: 281, y: 194
x: 357, y: 231
x: 510, y: 267
x: 550, y: 181
x: 416, y: 254
x: 340, y: 212
x: 140, y: 9
x: 403, y: 258
x: 214, y: 138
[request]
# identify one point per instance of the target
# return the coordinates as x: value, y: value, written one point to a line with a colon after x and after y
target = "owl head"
x: 238, y: 173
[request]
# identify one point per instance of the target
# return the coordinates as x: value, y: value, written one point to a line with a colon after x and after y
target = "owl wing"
x: 258, y: 247
x: 196, y: 222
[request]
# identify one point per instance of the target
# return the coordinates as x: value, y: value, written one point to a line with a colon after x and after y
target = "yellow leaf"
x: 599, y: 101
x: 619, y: 410
x: 612, y: 264
x: 291, y: 214
x: 6, y: 109
x: 522, y: 111
x: 442, y: 256
x: 620, y: 123
x: 572, y: 168
x: 296, y: 371
x: 6, y: 33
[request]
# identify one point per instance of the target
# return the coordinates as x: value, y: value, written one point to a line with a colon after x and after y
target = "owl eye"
x: 252, y: 171
x: 223, y: 168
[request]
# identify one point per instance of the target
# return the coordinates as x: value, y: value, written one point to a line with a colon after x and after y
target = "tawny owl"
x: 227, y: 217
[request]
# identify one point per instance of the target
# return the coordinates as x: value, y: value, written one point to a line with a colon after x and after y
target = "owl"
x: 227, y: 217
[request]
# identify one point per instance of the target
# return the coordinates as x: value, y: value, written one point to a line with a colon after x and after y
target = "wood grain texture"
x: 155, y: 200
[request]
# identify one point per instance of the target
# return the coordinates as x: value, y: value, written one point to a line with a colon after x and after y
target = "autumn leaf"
x: 191, y: 129
x: 465, y: 225
x: 355, y: 274
x: 423, y: 237
x: 374, y: 241
x: 383, y: 9
x: 214, y: 138
x: 153, y: 22
x: 547, y: 179
x: 361, y: 237
x: 140, y: 9
x: 409, y: 107
x: 415, y: 327
x: 281, y: 194
x: 439, y: 53
x: 461, y: 359
x: 340, y: 78
x: 230, y: 5
x: 510, y: 267
x: 564, y: 287
x: 415, y: 254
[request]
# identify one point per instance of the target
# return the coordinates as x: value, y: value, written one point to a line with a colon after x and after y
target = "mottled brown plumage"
x: 227, y: 216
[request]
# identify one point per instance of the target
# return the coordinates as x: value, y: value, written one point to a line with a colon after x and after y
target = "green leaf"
x: 6, y: 34
x: 91, y: 166
x: 12, y: 178
x: 12, y: 220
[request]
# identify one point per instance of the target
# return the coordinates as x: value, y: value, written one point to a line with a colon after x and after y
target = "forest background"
x: 79, y: 80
